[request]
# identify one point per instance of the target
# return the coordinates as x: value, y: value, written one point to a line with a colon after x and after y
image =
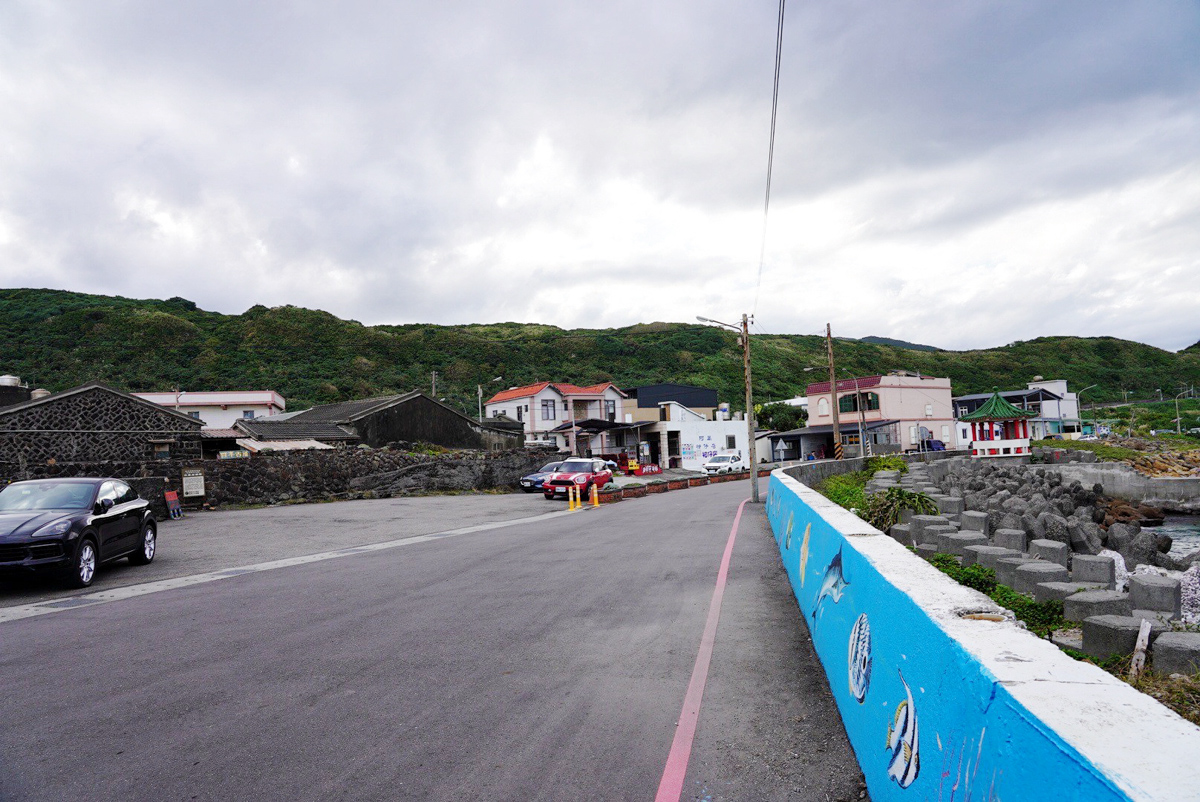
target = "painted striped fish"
x: 902, y: 742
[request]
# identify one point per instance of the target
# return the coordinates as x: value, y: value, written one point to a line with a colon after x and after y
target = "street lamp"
x: 479, y: 391
x: 1079, y: 395
x: 744, y: 341
x: 1178, y: 420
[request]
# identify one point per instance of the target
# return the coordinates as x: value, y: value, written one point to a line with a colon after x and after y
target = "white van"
x: 725, y: 463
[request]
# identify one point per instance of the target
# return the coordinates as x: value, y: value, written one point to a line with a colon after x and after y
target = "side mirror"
x: 104, y: 505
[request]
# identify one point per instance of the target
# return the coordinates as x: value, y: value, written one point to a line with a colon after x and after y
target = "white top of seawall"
x: 1143, y: 747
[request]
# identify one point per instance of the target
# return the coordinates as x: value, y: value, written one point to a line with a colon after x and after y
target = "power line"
x: 762, y: 253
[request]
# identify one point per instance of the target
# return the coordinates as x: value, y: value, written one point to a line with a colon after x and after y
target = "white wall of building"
x: 219, y: 409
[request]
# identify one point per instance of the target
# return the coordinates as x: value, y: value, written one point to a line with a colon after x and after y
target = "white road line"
x: 18, y: 612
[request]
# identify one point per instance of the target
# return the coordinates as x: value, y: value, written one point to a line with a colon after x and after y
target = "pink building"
x: 897, y: 412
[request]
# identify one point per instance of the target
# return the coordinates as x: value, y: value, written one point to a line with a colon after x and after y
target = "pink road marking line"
x: 670, y: 788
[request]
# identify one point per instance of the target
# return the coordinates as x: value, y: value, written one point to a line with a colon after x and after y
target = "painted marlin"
x: 832, y: 584
x: 902, y: 742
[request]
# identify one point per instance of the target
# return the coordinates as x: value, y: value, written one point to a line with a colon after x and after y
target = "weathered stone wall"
x: 95, y: 425
x: 316, y: 475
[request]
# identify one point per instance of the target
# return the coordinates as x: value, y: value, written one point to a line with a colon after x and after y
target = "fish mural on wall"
x: 804, y: 553
x: 791, y: 523
x: 902, y: 742
x: 833, y: 583
x: 859, y: 660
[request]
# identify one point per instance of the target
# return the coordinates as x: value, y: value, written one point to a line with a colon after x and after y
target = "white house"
x: 681, y: 438
x: 220, y: 408
x: 551, y: 412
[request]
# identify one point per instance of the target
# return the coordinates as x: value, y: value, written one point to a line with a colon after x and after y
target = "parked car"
x: 533, y: 482
x: 933, y: 445
x: 725, y: 463
x: 580, y: 472
x: 70, y: 526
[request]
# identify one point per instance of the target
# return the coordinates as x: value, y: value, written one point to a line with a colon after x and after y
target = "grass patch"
x: 1178, y: 692
x: 1103, y: 451
x: 1040, y: 618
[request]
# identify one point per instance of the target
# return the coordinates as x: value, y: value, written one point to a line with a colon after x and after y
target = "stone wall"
x: 275, y: 477
x: 92, y: 425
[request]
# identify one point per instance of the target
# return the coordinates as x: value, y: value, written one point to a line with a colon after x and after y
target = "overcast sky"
x: 958, y: 174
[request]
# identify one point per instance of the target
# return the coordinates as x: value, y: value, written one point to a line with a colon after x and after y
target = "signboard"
x: 193, y: 482
x: 173, y: 506
x: 240, y: 453
x: 645, y: 470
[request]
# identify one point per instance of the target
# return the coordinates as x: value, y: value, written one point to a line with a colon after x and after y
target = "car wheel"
x: 548, y: 496
x: 145, y: 553
x: 83, y: 566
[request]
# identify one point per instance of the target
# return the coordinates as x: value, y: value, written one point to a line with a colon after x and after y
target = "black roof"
x: 346, y: 411
x: 293, y: 429
x: 193, y: 423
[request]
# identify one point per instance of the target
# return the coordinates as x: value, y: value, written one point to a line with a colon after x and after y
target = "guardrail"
x: 944, y: 696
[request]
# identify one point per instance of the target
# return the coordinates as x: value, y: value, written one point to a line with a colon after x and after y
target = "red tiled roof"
x: 518, y: 392
x: 561, y: 387
x: 843, y: 385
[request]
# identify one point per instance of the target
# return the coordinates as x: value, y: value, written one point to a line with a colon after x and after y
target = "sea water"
x: 1184, y: 530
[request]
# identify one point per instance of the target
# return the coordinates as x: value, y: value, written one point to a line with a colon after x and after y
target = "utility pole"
x: 745, y: 338
x: 837, y: 436
x: 744, y: 341
x: 435, y: 384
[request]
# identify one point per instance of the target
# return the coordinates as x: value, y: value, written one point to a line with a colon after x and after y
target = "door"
x: 118, y: 528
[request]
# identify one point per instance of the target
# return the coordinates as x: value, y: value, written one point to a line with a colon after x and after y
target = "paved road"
x: 546, y: 659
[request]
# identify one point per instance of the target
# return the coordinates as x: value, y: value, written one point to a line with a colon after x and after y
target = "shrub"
x: 846, y: 490
x: 883, y: 509
x: 892, y: 463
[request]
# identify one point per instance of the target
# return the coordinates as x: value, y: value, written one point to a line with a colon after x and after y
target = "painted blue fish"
x: 859, y: 659
x: 902, y: 742
x: 832, y: 584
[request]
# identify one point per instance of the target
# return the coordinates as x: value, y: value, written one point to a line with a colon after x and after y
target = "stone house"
x: 94, y: 423
x: 410, y: 417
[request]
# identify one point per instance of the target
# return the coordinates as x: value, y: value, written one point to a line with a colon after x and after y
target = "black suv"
x: 70, y: 526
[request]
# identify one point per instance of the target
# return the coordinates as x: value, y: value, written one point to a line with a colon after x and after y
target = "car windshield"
x: 551, y: 468
x: 46, y: 496
x: 576, y: 466
x: 720, y: 459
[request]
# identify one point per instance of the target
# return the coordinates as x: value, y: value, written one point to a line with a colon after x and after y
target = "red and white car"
x: 580, y: 472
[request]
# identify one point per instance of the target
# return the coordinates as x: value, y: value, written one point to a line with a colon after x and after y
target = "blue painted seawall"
x: 995, y: 712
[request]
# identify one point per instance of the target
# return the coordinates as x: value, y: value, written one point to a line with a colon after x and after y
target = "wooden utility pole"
x: 745, y: 338
x: 833, y: 397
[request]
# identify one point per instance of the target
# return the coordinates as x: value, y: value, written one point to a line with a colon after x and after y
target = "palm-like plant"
x: 883, y: 509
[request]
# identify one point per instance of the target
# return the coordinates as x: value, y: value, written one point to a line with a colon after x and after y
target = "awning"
x: 255, y: 446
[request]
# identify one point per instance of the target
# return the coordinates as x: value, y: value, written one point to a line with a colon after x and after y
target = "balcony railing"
x: 1000, y: 448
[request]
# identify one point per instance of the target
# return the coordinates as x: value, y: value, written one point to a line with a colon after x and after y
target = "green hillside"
x: 56, y: 339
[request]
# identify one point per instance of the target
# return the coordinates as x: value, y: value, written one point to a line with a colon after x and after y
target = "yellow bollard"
x: 572, y: 491
x: 595, y: 496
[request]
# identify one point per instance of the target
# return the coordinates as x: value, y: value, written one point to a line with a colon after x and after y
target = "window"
x: 914, y: 434
x: 519, y: 411
x: 125, y: 492
x: 108, y: 490
x: 850, y: 403
x: 730, y: 441
x: 194, y: 414
x: 929, y: 410
x: 248, y: 414
x: 823, y: 407
x: 565, y: 407
x: 161, y: 450
x: 610, y: 410
x: 945, y: 433
x: 548, y: 409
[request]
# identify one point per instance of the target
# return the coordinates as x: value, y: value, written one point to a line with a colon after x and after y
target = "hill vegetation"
x: 57, y: 340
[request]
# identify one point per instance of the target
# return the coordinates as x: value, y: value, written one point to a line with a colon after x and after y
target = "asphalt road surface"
x: 447, y: 648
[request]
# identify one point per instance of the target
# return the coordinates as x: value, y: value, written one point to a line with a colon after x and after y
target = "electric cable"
x: 762, y: 253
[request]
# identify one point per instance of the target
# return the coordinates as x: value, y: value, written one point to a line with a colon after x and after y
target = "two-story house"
x: 895, y: 412
x: 553, y: 411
